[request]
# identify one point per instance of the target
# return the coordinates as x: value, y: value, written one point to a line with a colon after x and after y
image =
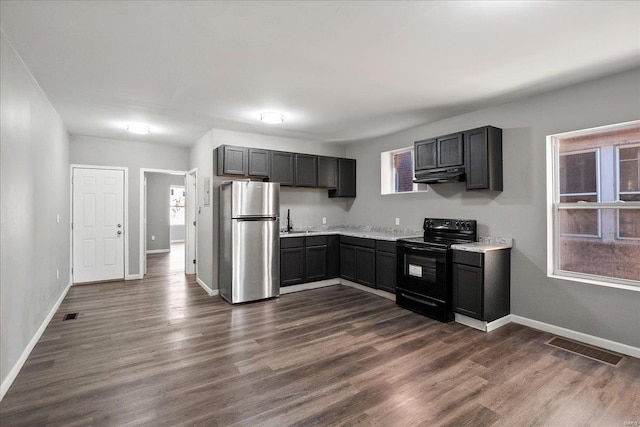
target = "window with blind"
x: 177, y: 205
x: 397, y: 172
x: 594, y: 214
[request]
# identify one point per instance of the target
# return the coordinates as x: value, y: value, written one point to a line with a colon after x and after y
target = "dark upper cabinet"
x: 442, y: 152
x: 327, y: 172
x: 483, y: 153
x: 258, y: 161
x: 282, y: 168
x: 425, y: 154
x: 306, y: 170
x: 232, y: 160
x: 346, y: 179
x: 450, y: 151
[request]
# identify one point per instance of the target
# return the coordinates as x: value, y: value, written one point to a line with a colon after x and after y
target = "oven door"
x: 422, y: 281
x: 423, y: 271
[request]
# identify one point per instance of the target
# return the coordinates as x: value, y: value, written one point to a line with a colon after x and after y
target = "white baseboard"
x: 380, y: 293
x: 176, y: 241
x: 471, y: 322
x: 206, y: 287
x: 158, y: 251
x: 307, y: 286
x: 492, y: 326
x: 578, y: 336
x: 480, y: 324
x: 138, y: 276
x: 13, y: 373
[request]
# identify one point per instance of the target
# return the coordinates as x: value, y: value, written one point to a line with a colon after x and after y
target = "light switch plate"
x: 397, y: 221
x: 324, y: 220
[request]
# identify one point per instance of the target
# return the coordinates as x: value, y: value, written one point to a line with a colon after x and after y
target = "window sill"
x: 404, y: 192
x: 625, y: 286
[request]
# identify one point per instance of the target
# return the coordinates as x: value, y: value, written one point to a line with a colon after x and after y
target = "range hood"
x: 435, y: 176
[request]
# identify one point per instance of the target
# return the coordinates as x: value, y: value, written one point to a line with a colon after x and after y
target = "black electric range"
x: 424, y: 266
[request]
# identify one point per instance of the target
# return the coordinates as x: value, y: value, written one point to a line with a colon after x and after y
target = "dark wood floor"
x: 161, y: 352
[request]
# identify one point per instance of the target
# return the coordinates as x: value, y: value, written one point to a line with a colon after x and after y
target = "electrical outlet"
x: 324, y: 220
x: 397, y: 221
x: 153, y: 237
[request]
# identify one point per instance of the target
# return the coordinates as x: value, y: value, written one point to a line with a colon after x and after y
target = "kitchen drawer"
x: 316, y: 240
x: 386, y: 246
x: 474, y: 259
x: 357, y: 241
x: 291, y: 242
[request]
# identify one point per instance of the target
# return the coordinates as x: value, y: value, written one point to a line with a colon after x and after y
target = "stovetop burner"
x: 445, y: 232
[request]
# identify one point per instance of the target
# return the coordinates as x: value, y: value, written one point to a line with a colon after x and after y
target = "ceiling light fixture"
x: 139, y: 129
x: 272, y: 118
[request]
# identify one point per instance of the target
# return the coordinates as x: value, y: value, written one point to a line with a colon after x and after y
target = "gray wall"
x: 158, y: 186
x: 308, y: 206
x: 134, y: 155
x: 34, y: 188
x: 520, y: 210
x: 177, y: 233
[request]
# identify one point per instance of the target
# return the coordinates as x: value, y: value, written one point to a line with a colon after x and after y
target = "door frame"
x: 143, y: 203
x: 191, y: 211
x: 126, y: 212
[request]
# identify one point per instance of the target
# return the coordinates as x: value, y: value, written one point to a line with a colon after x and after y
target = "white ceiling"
x: 338, y: 71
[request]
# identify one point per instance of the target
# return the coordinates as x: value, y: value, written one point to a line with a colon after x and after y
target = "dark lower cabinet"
x: 386, y: 266
x: 292, y: 257
x: 358, y: 260
x: 481, y: 284
x: 309, y: 259
x: 366, y: 266
x: 291, y: 266
x: 333, y: 256
x: 316, y: 262
x: 348, y: 262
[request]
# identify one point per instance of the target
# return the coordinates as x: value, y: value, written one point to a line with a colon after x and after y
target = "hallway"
x: 167, y: 263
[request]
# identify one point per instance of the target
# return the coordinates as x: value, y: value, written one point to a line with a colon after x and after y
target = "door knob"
x: 119, y: 225
x: 119, y: 232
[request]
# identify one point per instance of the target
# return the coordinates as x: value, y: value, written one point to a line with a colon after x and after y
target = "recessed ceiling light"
x: 272, y: 118
x: 138, y: 128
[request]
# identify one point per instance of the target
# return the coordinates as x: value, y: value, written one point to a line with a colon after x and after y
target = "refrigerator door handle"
x: 256, y: 218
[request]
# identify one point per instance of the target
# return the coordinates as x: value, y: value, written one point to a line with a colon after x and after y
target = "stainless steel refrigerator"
x: 249, y: 253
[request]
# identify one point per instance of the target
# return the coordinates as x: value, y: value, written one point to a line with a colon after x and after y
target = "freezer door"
x: 255, y: 199
x: 255, y: 260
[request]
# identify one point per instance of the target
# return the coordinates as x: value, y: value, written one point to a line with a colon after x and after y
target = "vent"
x: 70, y: 316
x: 586, y: 351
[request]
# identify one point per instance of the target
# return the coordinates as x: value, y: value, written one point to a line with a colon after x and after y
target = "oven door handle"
x: 420, y: 300
x: 419, y: 249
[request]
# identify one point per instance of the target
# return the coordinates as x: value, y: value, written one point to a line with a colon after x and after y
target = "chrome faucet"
x: 289, y: 227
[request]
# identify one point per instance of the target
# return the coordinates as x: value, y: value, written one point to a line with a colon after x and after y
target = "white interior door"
x: 190, y: 224
x: 98, y: 225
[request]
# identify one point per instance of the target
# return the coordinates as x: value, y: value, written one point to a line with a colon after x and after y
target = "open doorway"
x: 166, y: 241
